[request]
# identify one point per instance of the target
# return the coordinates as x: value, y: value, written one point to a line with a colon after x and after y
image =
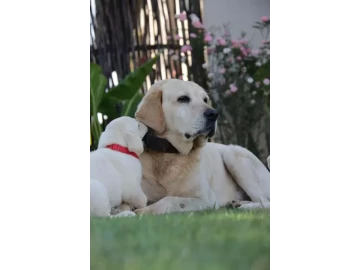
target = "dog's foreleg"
x: 176, y: 204
x: 249, y: 173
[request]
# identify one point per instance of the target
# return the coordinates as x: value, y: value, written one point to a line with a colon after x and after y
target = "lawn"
x: 224, y: 239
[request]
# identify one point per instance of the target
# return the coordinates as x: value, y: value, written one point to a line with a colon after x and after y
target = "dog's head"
x: 125, y: 131
x: 180, y: 112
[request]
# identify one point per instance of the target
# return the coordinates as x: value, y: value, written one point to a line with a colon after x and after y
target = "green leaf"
x: 130, y: 106
x: 267, y: 109
x: 97, y: 87
x: 127, y: 92
x: 129, y: 86
x: 96, y: 130
x: 262, y: 72
x: 107, y: 107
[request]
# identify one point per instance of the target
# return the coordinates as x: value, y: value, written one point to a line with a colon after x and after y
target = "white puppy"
x: 115, y: 169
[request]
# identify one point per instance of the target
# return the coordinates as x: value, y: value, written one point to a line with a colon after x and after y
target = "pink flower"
x: 265, y: 19
x: 230, y: 59
x: 233, y: 88
x: 193, y: 35
x: 243, y: 51
x: 194, y: 17
x: 210, y: 50
x: 243, y: 41
x: 266, y: 81
x: 221, y: 41
x: 181, y: 16
x: 222, y: 70
x: 177, y: 37
x: 208, y: 37
x: 197, y: 24
x: 238, y: 58
x: 186, y: 48
x: 255, y: 52
x: 235, y: 42
x: 248, y: 50
x: 257, y: 84
x: 195, y: 21
x: 266, y: 41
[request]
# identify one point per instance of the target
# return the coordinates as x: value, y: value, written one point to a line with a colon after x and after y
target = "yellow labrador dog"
x: 181, y: 170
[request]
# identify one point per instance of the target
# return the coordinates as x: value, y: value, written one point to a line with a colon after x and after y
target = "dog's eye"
x: 205, y: 100
x: 183, y: 99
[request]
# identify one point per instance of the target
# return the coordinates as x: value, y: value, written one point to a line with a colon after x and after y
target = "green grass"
x: 224, y: 239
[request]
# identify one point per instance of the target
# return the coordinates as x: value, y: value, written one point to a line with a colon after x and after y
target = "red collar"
x: 122, y: 149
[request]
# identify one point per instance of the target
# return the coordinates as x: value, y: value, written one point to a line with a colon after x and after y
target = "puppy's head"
x: 180, y: 112
x: 125, y: 131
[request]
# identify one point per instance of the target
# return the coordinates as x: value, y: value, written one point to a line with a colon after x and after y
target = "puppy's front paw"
x: 141, y: 201
x: 137, y: 201
x: 124, y: 214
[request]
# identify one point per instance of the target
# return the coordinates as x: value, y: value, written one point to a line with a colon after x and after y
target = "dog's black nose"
x: 211, y: 114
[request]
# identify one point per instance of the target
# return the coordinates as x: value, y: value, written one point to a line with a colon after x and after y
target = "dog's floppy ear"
x: 134, y: 142
x: 150, y: 111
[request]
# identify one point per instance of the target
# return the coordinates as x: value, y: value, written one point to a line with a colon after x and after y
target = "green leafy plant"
x: 127, y: 93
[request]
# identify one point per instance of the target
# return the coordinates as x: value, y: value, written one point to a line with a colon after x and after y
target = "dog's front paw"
x: 148, y: 210
x: 142, y: 211
x: 236, y: 204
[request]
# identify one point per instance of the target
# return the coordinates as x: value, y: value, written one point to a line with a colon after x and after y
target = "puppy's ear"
x: 150, y: 111
x: 134, y: 142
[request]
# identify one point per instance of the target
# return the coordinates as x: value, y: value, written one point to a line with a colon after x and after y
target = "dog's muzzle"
x: 211, y: 115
